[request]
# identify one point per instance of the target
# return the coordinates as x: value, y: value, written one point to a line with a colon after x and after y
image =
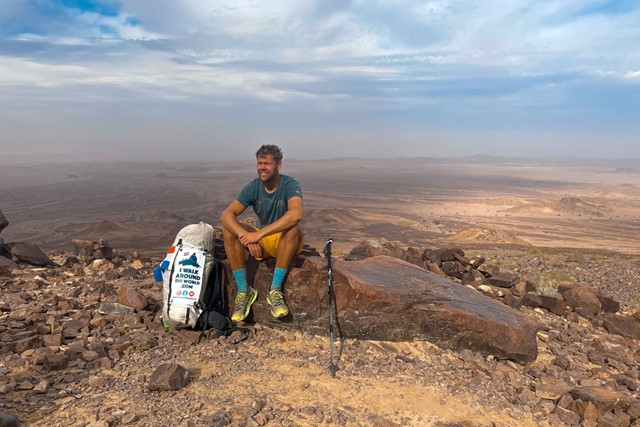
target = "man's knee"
x: 292, y: 239
x: 293, y: 234
x: 228, y: 235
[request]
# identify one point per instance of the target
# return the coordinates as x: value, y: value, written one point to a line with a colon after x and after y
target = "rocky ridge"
x: 81, y: 336
x: 73, y: 353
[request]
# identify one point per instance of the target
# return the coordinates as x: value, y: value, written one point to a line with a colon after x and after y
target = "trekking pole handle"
x: 327, y: 250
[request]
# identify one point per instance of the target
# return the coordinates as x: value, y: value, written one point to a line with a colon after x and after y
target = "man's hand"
x: 250, y: 240
x: 255, y: 250
x: 249, y: 237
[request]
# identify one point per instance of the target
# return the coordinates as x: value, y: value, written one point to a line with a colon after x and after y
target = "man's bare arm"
x: 229, y: 218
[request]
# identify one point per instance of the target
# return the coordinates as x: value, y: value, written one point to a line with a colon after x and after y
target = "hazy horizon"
x: 108, y: 80
x: 622, y: 163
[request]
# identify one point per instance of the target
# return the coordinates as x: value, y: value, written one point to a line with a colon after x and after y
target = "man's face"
x: 267, y: 168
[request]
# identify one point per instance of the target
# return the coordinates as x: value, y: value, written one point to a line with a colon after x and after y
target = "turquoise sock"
x: 241, y: 279
x: 278, y: 278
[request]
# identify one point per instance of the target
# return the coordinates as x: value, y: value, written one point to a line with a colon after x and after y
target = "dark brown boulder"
x: 435, y: 256
x: 6, y: 262
x: 451, y: 254
x: 168, y: 376
x: 621, y: 325
x: 29, y: 253
x: 414, y: 256
x: 522, y: 287
x: 554, y: 303
x: 3, y: 221
x: 477, y: 261
x: 607, y: 303
x: 634, y: 409
x: 388, y: 299
x: 4, y: 271
x: 603, y: 398
x: 531, y: 299
x: 489, y: 270
x: 453, y: 269
x: 461, y: 259
x: 55, y: 361
x: 131, y: 298
x: 503, y: 280
x: 582, y: 300
x: 610, y: 419
x: 103, y: 252
x: 568, y: 417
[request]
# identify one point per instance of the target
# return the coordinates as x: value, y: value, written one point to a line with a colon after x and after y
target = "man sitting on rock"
x: 277, y: 202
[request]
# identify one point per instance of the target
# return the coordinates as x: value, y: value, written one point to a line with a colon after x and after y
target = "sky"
x: 213, y: 80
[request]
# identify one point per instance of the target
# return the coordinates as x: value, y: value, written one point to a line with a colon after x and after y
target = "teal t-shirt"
x: 269, y: 207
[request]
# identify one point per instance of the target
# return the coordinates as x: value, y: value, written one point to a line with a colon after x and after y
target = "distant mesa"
x: 578, y: 205
x: 575, y: 203
x: 73, y: 176
x: 161, y: 175
x: 568, y: 205
x: 487, y: 235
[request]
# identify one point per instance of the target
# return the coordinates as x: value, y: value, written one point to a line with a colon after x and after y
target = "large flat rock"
x: 386, y: 298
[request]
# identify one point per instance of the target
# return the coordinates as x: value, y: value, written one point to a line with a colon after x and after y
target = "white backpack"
x: 190, y: 277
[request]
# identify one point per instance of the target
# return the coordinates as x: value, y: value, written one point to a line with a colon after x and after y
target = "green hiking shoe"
x: 243, y: 304
x: 278, y: 307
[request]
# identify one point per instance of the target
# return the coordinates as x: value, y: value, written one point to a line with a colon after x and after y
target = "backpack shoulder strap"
x: 215, y: 296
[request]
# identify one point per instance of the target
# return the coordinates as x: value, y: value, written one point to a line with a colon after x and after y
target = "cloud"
x: 446, y: 64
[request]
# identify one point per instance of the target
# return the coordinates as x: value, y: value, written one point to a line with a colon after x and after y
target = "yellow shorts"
x: 270, y: 245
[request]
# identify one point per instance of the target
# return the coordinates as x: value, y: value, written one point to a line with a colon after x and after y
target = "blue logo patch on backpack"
x: 192, y: 260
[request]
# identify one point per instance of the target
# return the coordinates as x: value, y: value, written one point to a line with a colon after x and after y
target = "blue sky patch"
x: 106, y: 8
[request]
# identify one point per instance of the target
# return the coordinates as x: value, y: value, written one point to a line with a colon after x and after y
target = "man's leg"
x: 235, y: 254
x: 288, y: 245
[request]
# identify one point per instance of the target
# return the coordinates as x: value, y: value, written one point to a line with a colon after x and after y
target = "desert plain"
x: 545, y: 219
x: 595, y: 205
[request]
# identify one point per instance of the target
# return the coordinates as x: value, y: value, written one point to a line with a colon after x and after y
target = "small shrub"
x: 548, y: 282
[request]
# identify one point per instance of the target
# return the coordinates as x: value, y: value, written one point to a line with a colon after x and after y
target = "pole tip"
x: 333, y: 368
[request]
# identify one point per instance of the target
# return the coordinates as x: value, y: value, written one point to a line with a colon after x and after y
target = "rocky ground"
x: 72, y: 356
x: 613, y: 273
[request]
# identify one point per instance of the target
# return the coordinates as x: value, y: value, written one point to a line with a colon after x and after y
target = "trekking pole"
x: 332, y: 366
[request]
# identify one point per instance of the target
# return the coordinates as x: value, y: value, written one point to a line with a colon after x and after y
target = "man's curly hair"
x: 273, y: 150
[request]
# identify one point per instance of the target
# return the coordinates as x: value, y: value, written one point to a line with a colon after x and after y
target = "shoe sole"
x: 280, y: 316
x: 248, y: 309
x: 273, y: 314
